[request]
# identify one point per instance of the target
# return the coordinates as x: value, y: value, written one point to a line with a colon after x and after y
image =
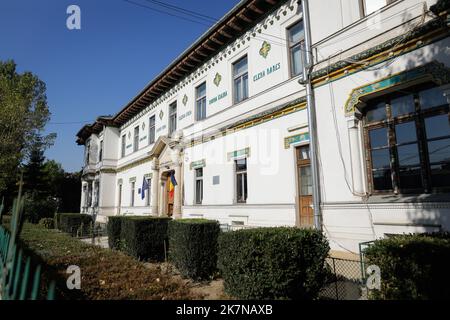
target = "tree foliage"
x: 23, y: 115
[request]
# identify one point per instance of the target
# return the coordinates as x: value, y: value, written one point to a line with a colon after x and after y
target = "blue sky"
x: 98, y: 69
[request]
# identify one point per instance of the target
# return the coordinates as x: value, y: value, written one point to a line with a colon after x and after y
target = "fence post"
x: 335, y: 279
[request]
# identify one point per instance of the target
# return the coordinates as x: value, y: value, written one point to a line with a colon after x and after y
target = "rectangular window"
x: 199, y: 185
x: 240, y: 79
x: 148, y: 192
x: 296, y: 37
x: 136, y: 139
x: 88, y: 151
x: 370, y: 6
x: 151, y: 130
x: 200, y: 103
x: 241, y: 180
x: 132, y: 190
x: 172, y: 118
x: 122, y: 150
x: 408, y: 139
x: 100, y: 153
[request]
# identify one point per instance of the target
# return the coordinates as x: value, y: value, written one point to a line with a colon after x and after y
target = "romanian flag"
x: 172, y: 184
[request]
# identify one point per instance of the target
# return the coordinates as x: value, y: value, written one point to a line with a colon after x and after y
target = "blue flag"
x: 144, y: 187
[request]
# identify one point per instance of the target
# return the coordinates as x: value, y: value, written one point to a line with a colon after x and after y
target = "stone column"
x: 162, y: 195
x: 355, y: 155
x: 83, y: 197
x: 154, y: 204
x: 177, y: 192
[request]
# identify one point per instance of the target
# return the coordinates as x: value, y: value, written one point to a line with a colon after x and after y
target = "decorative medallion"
x: 185, y: 100
x: 129, y: 135
x: 143, y: 125
x: 161, y: 114
x: 265, y: 49
x: 217, y: 79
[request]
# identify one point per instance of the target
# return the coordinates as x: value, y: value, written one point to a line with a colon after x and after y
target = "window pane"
x: 296, y: 33
x: 431, y: 98
x: 382, y: 180
x: 245, y: 84
x: 408, y: 155
x: 439, y: 151
x: 245, y: 186
x: 304, y: 153
x: 237, y: 90
x: 239, y: 190
x: 241, y: 164
x: 305, y: 181
x: 199, y: 172
x: 378, y: 138
x: 410, y: 178
x: 402, y: 105
x: 201, y: 90
x: 438, y: 126
x: 440, y: 175
x: 240, y: 66
x: 373, y: 5
x: 381, y: 159
x: 377, y: 112
x: 296, y: 60
x: 405, y: 132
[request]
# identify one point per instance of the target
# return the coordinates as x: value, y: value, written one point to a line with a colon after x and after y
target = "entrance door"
x: 170, y: 196
x: 306, y: 212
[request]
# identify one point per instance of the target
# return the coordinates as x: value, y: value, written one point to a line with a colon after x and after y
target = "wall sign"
x: 267, y: 71
x: 198, y: 164
x: 295, y: 139
x: 219, y: 97
x: 239, y: 153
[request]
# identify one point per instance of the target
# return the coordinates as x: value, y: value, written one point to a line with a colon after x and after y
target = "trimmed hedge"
x: 273, y: 263
x: 145, y: 238
x: 71, y: 223
x: 193, y: 247
x: 412, y: 267
x: 113, y: 228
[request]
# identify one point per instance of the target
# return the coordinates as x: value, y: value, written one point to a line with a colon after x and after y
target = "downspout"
x: 311, y: 109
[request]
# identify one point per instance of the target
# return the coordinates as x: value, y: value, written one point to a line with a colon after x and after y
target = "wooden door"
x: 306, y: 212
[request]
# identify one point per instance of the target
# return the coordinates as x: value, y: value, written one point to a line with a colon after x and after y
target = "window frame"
x: 202, y: 101
x: 363, y: 8
x: 172, y: 106
x: 151, y: 127
x: 244, y: 181
x: 241, y: 77
x: 418, y: 117
x: 100, y: 152
x: 198, y: 178
x: 291, y: 46
x: 148, y: 192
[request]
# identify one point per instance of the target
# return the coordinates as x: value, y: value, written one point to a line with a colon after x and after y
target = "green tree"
x: 23, y: 115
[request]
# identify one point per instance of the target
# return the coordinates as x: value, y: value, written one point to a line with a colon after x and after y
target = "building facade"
x: 222, y: 133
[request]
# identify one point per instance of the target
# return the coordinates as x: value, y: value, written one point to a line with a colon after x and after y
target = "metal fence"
x: 344, y: 281
x: 19, y: 279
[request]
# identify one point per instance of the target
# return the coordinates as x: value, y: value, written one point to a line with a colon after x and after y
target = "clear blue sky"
x: 98, y: 69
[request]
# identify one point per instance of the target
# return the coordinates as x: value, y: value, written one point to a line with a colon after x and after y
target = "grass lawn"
x: 105, y: 274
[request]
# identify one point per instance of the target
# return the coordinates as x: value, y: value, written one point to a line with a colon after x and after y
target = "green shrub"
x: 193, y: 247
x: 273, y: 263
x: 145, y: 238
x: 36, y: 208
x: 412, y: 267
x: 113, y: 228
x: 73, y: 223
x: 47, y: 223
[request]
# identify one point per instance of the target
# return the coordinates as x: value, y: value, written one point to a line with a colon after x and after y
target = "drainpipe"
x: 307, y: 68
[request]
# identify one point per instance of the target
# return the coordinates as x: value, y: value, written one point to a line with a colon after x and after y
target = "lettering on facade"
x: 219, y: 97
x: 184, y: 115
x: 198, y: 164
x: 161, y: 128
x: 143, y: 138
x: 295, y: 139
x: 267, y: 72
x: 239, y: 153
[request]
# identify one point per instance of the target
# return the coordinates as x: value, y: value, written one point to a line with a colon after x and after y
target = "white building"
x: 228, y: 119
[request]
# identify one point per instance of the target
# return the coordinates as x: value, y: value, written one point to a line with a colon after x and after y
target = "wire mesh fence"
x: 344, y: 280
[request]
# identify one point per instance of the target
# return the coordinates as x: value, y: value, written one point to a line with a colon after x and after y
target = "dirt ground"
x: 208, y: 290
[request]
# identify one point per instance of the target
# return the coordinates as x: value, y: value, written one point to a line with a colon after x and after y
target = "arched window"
x: 407, y: 136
